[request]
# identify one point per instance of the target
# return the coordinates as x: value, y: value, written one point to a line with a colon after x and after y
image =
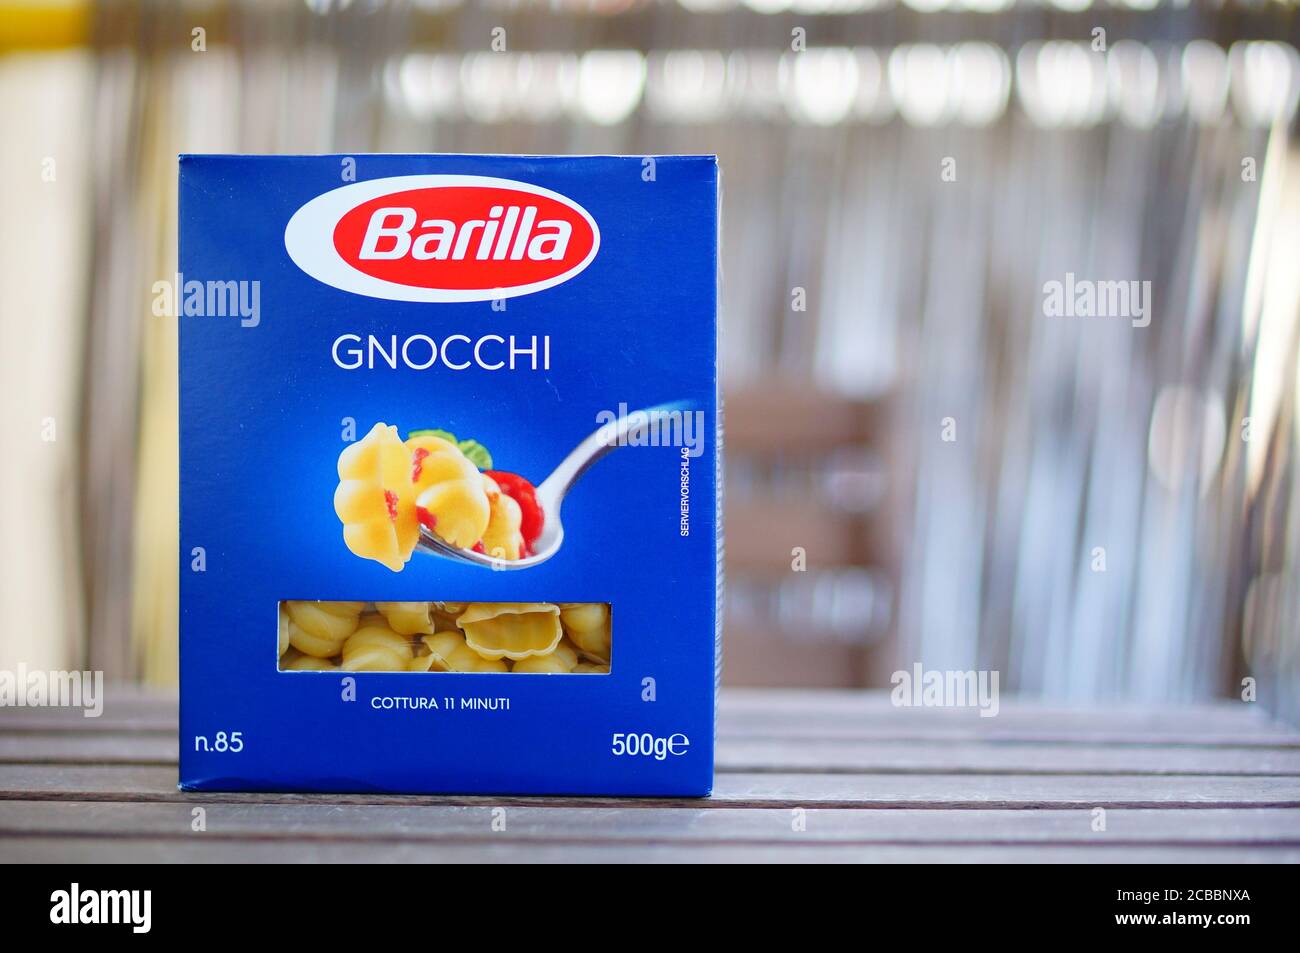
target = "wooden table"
x: 835, y: 776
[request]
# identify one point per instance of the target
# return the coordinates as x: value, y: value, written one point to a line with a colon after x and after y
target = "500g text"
x: 645, y: 745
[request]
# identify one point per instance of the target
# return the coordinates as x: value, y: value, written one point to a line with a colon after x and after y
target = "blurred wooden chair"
x: 805, y: 474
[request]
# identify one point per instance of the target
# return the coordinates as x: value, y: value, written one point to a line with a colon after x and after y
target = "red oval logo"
x: 442, y: 238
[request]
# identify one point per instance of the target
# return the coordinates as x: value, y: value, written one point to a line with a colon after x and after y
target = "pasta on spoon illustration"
x: 433, y: 493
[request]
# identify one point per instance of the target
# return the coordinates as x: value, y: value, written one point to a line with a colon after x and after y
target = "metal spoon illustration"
x: 552, y: 491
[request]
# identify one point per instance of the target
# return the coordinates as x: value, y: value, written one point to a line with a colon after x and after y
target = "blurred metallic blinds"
x: 1055, y: 83
x: 1088, y: 519
x: 41, y: 333
x: 1271, y: 478
x: 1072, y: 433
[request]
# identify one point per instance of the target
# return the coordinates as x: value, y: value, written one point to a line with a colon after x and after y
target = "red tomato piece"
x: 417, y: 463
x: 525, y: 494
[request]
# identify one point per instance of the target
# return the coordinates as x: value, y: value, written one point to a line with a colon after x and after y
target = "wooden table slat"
x: 41, y: 849
x: 451, y: 823
x: 145, y: 783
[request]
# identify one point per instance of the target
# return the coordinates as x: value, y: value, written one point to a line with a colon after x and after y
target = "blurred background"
x: 923, y: 464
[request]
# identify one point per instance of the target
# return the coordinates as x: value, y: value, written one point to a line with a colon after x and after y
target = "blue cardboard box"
x: 450, y: 443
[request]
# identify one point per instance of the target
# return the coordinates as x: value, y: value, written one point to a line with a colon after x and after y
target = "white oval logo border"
x: 309, y: 239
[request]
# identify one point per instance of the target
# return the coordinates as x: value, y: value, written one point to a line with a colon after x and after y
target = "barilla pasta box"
x: 449, y: 464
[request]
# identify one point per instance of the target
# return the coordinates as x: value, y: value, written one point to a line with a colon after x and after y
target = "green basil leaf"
x: 477, y: 454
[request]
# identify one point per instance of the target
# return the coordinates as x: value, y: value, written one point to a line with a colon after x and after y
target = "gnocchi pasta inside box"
x: 449, y: 473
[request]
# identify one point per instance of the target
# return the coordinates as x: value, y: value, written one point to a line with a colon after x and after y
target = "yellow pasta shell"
x: 594, y: 645
x: 326, y: 619
x: 502, y: 539
x: 445, y: 613
x: 318, y: 628
x: 376, y: 648
x: 450, y: 488
x: 584, y: 616
x: 373, y: 471
x: 284, y: 629
x: 591, y: 668
x: 450, y: 653
x: 513, y: 630
x: 295, y: 661
x: 588, y: 626
x: 422, y: 663
x: 407, y: 618
x: 559, y: 662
